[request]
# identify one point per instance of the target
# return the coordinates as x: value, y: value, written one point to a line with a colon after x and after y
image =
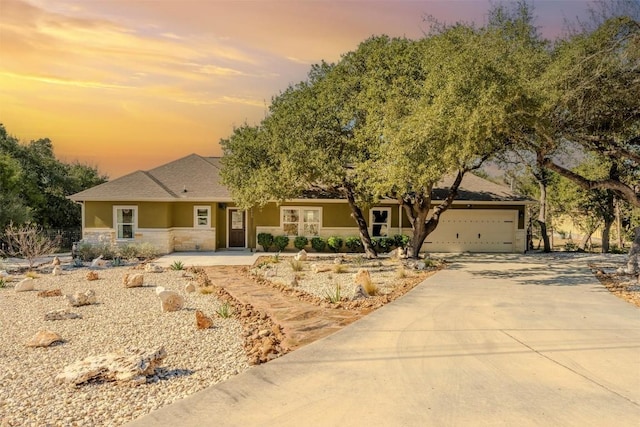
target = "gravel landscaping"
x: 121, y: 318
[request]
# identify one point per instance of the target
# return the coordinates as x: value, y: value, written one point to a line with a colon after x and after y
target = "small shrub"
x: 359, y: 260
x: 77, y: 262
x: 354, y: 244
x: 334, y: 243
x: 300, y: 242
x: 117, y: 262
x: 384, y: 244
x: 401, y: 240
x: 86, y: 251
x: 370, y: 288
x: 3, y: 284
x: 265, y: 240
x: 296, y: 265
x: 339, y: 268
x: 401, y: 273
x: 570, y: 247
x: 318, y: 243
x: 147, y: 251
x: 205, y: 290
x: 281, y: 242
x: 615, y: 249
x: 177, y: 265
x: 127, y: 251
x: 275, y: 258
x: 225, y: 311
x: 31, y: 274
x: 333, y: 295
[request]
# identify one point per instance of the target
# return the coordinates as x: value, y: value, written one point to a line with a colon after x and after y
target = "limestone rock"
x: 57, y: 271
x: 189, y: 288
x: 56, y: 261
x: 421, y: 265
x: 43, y: 339
x: 319, y: 269
x: 97, y: 262
x: 133, y: 280
x: 92, y: 275
x: 127, y: 366
x: 25, y: 285
x: 82, y: 298
x: 399, y: 253
x: 153, y: 268
x: 294, y: 282
x: 360, y: 293
x: 338, y: 260
x: 159, y: 289
x: 301, y: 256
x: 50, y: 293
x: 362, y: 277
x: 171, y: 301
x: 203, y: 321
x: 61, y: 314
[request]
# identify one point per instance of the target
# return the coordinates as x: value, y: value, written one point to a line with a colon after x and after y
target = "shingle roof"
x: 200, y: 177
x: 475, y: 188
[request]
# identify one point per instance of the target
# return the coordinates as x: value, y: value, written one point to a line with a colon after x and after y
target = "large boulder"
x: 170, y: 301
x: 43, y: 338
x: 25, y: 285
x: 79, y: 299
x: 129, y: 365
x: 362, y: 277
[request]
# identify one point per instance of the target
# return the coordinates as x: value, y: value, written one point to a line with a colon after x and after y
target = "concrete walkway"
x: 493, y: 340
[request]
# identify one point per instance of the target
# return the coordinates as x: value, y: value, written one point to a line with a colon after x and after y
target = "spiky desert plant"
x: 334, y: 295
x: 296, y: 265
x: 177, y: 265
x: 225, y: 311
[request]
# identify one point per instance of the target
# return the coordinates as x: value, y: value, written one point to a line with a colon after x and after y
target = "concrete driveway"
x: 493, y: 340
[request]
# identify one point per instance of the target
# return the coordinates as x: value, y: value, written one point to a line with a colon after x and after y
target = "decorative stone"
x: 56, y: 261
x: 294, y: 282
x: 338, y: 260
x: 153, y: 268
x: 362, y: 277
x: 421, y: 265
x: 301, y: 256
x: 203, y: 321
x: 133, y: 280
x: 25, y: 285
x: 61, y: 314
x: 129, y: 365
x: 360, y: 293
x: 97, y: 262
x: 92, y: 275
x: 319, y: 269
x: 189, y: 288
x: 50, y: 293
x: 57, y: 271
x: 171, y: 301
x: 399, y: 253
x: 43, y: 339
x: 159, y: 289
x: 82, y: 298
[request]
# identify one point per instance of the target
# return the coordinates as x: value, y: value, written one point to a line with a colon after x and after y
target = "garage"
x: 474, y: 230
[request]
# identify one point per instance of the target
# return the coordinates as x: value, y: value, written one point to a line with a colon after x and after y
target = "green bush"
x: 385, y: 244
x: 177, y: 265
x: 281, y: 242
x: 318, y: 244
x: 354, y: 244
x: 265, y: 240
x: 87, y: 251
x: 300, y: 242
x: 334, y: 243
x: 147, y: 251
x: 128, y: 251
x: 401, y: 240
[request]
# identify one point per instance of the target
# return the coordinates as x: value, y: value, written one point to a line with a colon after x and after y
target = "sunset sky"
x: 131, y: 84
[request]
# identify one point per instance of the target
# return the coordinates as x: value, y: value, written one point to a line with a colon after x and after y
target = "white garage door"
x: 469, y: 230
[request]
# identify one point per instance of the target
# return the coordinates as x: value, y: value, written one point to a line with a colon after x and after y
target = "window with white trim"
x: 380, y: 220
x: 202, y: 216
x: 125, y: 221
x: 299, y: 221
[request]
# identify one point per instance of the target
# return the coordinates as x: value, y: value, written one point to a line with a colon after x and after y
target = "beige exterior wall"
x: 189, y: 239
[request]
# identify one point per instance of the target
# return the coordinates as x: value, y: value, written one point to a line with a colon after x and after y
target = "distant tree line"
x: 34, y: 184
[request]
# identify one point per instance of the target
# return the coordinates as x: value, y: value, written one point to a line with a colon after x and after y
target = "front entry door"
x: 237, y: 228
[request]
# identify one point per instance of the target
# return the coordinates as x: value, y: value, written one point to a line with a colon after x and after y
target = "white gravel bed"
x: 29, y: 393
x: 385, y: 273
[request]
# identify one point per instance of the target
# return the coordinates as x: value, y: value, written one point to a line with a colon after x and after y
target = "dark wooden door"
x: 237, y: 228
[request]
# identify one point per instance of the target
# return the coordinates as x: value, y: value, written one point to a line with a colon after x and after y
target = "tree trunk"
x: 585, y: 240
x: 542, y: 216
x: 609, y: 217
x: 633, y: 262
x: 418, y: 214
x: 363, y: 228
